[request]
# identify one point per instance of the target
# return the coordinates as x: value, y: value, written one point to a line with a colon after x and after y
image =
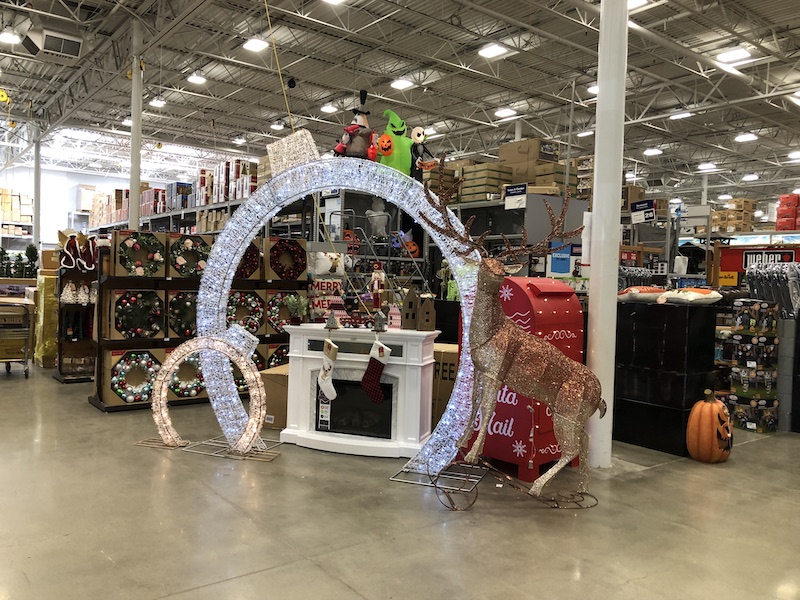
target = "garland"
x: 254, y: 305
x: 279, y: 357
x: 183, y: 314
x: 143, y: 361
x: 188, y: 255
x: 274, y: 304
x: 191, y: 388
x: 297, y: 259
x: 238, y: 378
x: 249, y: 263
x: 141, y: 254
x: 137, y: 314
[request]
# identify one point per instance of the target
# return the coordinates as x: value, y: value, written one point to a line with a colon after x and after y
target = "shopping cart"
x: 15, y: 331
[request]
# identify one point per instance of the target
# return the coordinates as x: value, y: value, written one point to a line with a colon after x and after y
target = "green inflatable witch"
x: 393, y: 146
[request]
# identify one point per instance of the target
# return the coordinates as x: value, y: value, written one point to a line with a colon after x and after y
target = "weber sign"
x: 752, y: 257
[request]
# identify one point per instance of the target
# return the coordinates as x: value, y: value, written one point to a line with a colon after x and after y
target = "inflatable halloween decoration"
x: 358, y: 138
x: 418, y: 152
x: 385, y: 145
x: 400, y: 157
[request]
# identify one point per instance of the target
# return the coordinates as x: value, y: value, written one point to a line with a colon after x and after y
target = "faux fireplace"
x: 352, y: 423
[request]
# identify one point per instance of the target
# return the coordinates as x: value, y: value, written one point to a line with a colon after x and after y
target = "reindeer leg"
x: 489, y: 387
x: 567, y: 435
x: 477, y: 385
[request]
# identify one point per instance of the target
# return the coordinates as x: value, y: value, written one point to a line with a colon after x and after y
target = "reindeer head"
x: 493, y: 269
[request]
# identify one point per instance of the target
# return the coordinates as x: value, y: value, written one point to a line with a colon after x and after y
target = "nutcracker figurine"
x: 377, y: 284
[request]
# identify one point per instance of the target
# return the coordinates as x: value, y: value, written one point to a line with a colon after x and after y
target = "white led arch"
x: 284, y: 189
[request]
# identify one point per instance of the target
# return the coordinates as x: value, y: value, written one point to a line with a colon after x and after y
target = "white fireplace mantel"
x: 410, y: 369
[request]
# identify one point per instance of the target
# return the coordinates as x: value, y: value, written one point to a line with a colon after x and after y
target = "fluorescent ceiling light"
x: 681, y: 115
x: 630, y: 175
x: 746, y: 137
x: 127, y: 121
x: 586, y: 133
x: 706, y: 166
x: 758, y: 213
x: 796, y: 191
x: 9, y: 36
x: 724, y: 197
x: 255, y: 44
x: 239, y: 141
x: 504, y: 112
x: 158, y: 102
x: 277, y: 126
x: 734, y: 55
x: 794, y: 155
x: 492, y: 51
x: 750, y: 177
x: 633, y: 4
x: 402, y: 84
x: 434, y: 136
x: 430, y: 131
x: 795, y: 99
x: 196, y: 78
x: 653, y: 152
x: 593, y: 89
x: 328, y: 108
x: 333, y: 1
x: 675, y: 201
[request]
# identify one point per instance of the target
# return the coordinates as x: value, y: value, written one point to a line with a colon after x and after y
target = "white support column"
x: 517, y: 130
x: 37, y: 186
x: 704, y: 193
x: 136, y: 124
x: 605, y: 238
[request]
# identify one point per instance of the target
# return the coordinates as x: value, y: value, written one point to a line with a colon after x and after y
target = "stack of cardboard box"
x: 432, y: 178
x: 179, y: 195
x: 15, y: 207
x: 101, y: 210
x: 787, y: 213
x: 738, y: 217
x: 554, y: 174
x: 481, y: 181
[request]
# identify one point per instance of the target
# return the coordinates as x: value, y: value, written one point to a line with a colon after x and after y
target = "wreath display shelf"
x: 188, y: 255
x: 249, y: 263
x: 141, y: 364
x: 188, y: 388
x: 141, y: 254
x: 253, y: 304
x: 279, y: 357
x: 273, y: 312
x: 183, y: 314
x: 238, y: 377
x: 138, y: 314
x: 287, y: 258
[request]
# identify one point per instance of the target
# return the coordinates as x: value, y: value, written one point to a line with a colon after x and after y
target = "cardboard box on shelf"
x: 742, y: 204
x: 522, y: 172
x: 555, y: 179
x: 276, y: 381
x: 520, y: 151
x: 632, y: 193
x: 495, y: 170
x: 552, y: 168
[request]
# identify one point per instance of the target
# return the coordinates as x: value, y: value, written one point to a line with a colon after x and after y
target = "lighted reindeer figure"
x: 503, y: 353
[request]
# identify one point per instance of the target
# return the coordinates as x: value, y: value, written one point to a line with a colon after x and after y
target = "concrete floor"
x: 85, y: 514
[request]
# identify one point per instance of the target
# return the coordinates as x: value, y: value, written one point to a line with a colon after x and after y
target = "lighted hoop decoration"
x: 132, y: 361
x: 141, y: 254
x: 138, y: 314
x: 183, y: 314
x: 188, y: 255
x: 287, y: 258
x: 191, y: 388
x: 273, y: 311
x: 220, y: 349
x: 289, y: 186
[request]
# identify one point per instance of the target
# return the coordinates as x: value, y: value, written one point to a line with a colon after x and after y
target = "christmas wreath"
x: 273, y: 310
x: 188, y: 388
x: 138, y: 314
x: 147, y: 367
x: 188, y: 255
x: 238, y: 378
x: 279, y: 357
x: 252, y: 304
x: 287, y: 258
x: 183, y: 314
x: 249, y: 263
x: 141, y: 254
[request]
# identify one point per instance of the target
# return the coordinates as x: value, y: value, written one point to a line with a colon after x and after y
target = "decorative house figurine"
x: 426, y: 315
x: 395, y: 318
x: 410, y: 309
x: 380, y: 322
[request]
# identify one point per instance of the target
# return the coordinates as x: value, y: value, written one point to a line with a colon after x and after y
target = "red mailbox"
x: 521, y: 429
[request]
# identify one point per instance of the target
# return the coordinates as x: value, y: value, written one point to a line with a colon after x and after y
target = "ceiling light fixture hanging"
x: 402, y: 84
x: 733, y: 55
x: 750, y: 177
x: 239, y: 140
x: 9, y: 36
x: 593, y: 89
x: 196, y: 78
x: 158, y: 102
x: 586, y: 133
x: 255, y: 44
x: 329, y: 108
x: 725, y: 197
x: 634, y: 4
x: 706, y: 166
x: 653, y: 152
x: 492, y: 51
x: 504, y: 112
x: 277, y: 126
x: 746, y: 137
x: 681, y: 115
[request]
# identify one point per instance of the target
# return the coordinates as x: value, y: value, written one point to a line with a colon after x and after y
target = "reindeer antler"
x: 447, y: 229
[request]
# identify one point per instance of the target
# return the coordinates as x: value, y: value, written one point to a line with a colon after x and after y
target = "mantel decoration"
x: 188, y: 388
x: 254, y: 311
x: 188, y: 255
x: 297, y: 305
x: 287, y: 258
x: 141, y: 254
x: 132, y: 362
x: 138, y: 314
x: 183, y: 314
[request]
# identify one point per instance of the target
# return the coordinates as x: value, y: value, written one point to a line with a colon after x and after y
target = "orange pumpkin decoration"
x: 385, y: 144
x: 412, y: 249
x: 709, y: 436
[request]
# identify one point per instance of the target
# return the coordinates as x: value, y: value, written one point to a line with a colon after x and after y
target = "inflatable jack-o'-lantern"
x: 385, y: 145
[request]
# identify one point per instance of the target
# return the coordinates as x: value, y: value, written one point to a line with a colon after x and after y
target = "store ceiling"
x: 332, y: 51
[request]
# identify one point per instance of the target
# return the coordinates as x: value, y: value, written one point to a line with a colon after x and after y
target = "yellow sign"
x: 4, y: 96
x: 728, y: 278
